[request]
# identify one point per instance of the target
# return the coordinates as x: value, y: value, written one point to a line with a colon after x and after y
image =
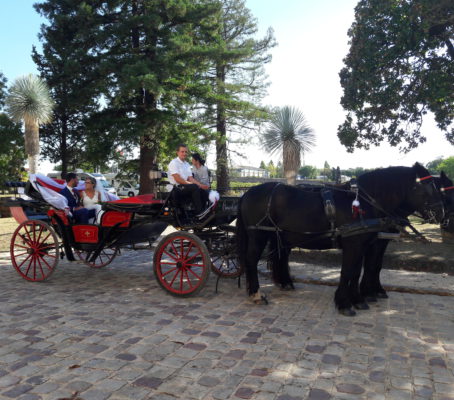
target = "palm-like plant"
x: 29, y: 100
x: 289, y: 133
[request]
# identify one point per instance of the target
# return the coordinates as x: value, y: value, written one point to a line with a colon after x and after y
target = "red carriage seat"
x: 112, y: 218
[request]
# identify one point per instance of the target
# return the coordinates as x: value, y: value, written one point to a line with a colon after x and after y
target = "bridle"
x: 429, y: 215
x: 445, y: 221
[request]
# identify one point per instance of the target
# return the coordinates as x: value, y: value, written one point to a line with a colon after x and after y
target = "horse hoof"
x: 361, y: 306
x: 382, y: 295
x: 347, y: 312
x: 287, y: 287
x: 259, y: 298
x: 262, y: 301
x: 371, y: 299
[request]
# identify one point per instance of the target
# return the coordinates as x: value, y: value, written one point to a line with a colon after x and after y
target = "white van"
x: 127, y: 188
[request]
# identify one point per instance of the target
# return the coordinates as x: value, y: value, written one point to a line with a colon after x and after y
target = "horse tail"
x: 241, y: 237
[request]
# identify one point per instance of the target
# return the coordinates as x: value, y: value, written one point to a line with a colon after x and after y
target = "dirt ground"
x: 436, y: 256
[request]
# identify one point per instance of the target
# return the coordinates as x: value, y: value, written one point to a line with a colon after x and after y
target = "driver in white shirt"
x: 180, y: 174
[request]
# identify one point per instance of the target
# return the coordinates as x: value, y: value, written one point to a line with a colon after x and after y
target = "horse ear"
x: 420, y: 170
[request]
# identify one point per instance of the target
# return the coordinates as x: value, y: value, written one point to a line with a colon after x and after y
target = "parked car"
x: 126, y: 188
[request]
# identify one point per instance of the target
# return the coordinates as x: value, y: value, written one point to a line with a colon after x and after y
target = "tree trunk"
x: 64, y: 149
x: 222, y: 165
x: 32, y: 164
x: 147, y: 163
x: 32, y: 144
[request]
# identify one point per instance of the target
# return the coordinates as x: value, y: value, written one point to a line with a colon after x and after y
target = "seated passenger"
x: 90, y: 196
x: 180, y: 175
x: 81, y: 214
x: 200, y: 171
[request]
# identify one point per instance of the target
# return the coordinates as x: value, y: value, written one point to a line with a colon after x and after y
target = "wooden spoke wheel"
x: 181, y: 264
x: 34, y: 250
x: 224, y: 257
x: 104, y: 258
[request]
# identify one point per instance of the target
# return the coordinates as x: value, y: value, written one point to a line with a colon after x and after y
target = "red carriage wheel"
x: 34, y: 250
x: 181, y: 264
x: 104, y: 258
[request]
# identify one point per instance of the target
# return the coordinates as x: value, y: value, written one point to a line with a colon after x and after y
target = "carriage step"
x: 389, y: 236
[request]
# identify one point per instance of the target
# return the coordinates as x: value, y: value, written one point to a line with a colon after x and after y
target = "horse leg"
x: 370, y: 286
x: 377, y: 286
x: 347, y: 294
x: 279, y: 265
x: 256, y: 243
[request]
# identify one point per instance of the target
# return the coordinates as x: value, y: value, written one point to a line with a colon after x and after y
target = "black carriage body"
x: 204, y: 245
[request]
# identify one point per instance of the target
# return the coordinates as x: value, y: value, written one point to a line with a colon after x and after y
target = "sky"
x: 312, y: 42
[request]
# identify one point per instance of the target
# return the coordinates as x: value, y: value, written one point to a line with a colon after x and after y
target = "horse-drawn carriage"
x: 270, y: 215
x: 182, y: 259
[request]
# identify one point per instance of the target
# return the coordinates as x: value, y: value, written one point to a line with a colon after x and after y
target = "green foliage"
x: 67, y: 63
x: 355, y: 172
x: 432, y: 166
x: 400, y: 67
x: 12, y: 154
x: 289, y: 134
x: 447, y: 166
x: 237, y: 188
x: 308, y: 172
x: 29, y: 100
x: 142, y: 60
x: 236, y: 80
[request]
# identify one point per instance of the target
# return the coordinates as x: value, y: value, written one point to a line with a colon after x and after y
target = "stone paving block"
x: 405, y: 338
x: 17, y: 390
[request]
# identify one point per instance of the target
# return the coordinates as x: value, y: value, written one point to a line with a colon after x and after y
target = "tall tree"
x: 153, y: 57
x: 447, y: 166
x: 237, y: 79
x: 150, y: 56
x: 289, y: 133
x: 67, y: 64
x: 11, y: 142
x: 400, y: 67
x: 29, y: 100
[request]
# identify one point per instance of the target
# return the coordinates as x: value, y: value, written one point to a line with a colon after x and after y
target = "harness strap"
x: 330, y: 211
x: 267, y: 216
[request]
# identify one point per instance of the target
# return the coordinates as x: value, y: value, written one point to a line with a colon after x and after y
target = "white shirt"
x: 182, y: 168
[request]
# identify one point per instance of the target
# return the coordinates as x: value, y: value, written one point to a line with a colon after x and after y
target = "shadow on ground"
x: 436, y: 256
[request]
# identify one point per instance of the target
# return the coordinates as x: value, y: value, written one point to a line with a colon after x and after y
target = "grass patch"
x: 7, y: 227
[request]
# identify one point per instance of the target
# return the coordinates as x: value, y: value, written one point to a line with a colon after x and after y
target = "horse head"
x: 426, y: 197
x: 446, y: 187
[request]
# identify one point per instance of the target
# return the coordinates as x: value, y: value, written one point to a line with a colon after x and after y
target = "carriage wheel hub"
x: 179, y: 264
x: 30, y: 251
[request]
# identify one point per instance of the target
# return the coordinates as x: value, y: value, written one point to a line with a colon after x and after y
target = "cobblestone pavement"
x: 115, y: 334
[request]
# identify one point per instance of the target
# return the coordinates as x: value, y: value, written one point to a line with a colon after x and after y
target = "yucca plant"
x: 29, y: 100
x: 289, y: 133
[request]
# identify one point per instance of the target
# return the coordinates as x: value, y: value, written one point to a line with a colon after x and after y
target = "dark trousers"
x: 195, y: 193
x: 82, y: 215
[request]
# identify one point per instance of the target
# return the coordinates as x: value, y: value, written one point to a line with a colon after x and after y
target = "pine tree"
x: 237, y: 79
x: 149, y: 58
x: 67, y: 65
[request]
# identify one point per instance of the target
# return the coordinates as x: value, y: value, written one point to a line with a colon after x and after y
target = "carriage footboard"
x: 140, y: 233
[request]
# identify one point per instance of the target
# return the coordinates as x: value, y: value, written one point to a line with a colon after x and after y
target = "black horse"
x: 285, y: 216
x: 371, y: 287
